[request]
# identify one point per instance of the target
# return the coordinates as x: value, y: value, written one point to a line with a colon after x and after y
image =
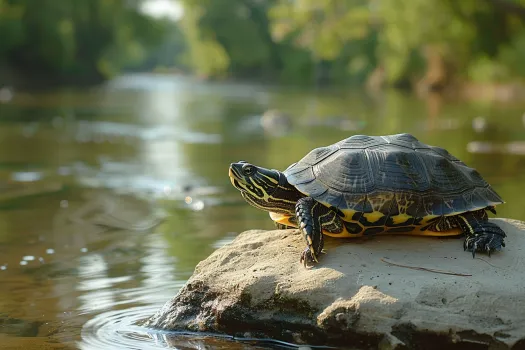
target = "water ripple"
x: 120, y: 329
x: 117, y: 330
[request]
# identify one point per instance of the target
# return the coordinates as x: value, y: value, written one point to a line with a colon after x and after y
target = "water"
x: 111, y: 195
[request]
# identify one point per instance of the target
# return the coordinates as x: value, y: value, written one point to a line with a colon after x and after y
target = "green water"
x: 143, y: 143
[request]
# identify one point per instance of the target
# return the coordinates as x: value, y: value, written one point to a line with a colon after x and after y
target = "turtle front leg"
x: 312, y: 216
x: 481, y: 235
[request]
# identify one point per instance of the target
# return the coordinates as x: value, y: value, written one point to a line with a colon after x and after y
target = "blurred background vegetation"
x: 415, y: 44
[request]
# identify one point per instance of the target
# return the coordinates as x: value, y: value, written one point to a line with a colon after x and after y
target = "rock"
x: 358, y: 294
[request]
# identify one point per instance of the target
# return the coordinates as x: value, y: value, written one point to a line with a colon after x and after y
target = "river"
x: 112, y: 194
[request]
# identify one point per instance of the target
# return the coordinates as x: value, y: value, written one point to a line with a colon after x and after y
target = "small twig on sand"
x: 425, y: 269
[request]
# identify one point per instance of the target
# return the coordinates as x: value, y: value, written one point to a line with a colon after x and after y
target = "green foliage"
x: 485, y: 70
x: 511, y: 56
x: 75, y: 37
x: 408, y: 26
x: 301, y: 41
x: 10, y: 25
x: 228, y: 36
x: 323, y: 27
x: 347, y: 40
x: 205, y: 54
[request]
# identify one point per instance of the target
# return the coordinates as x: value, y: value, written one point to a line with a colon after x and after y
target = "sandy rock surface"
x: 358, y: 295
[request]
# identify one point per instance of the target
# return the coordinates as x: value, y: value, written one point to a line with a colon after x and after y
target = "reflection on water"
x: 517, y: 147
x: 110, y: 196
x: 120, y: 330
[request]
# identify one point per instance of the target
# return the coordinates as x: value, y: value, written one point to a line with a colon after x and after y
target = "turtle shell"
x: 390, y: 176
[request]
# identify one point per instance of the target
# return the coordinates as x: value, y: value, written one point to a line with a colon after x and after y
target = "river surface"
x: 111, y: 195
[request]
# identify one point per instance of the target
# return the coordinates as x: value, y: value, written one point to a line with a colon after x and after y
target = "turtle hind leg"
x: 487, y: 237
x: 481, y: 235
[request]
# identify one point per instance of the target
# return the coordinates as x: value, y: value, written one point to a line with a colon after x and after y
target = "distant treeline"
x: 398, y: 42
x: 395, y: 42
x: 74, y: 41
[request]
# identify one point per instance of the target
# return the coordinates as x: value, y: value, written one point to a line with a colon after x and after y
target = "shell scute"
x: 318, y: 154
x: 331, y: 198
x: 445, y: 175
x: 399, y: 168
x: 352, y: 169
x: 403, y: 140
x: 454, y: 204
x: 360, y: 142
x: 354, y: 202
x: 395, y: 175
x: 299, y: 175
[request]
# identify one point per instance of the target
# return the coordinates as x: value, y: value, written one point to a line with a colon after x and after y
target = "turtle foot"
x: 307, y: 257
x: 488, y: 238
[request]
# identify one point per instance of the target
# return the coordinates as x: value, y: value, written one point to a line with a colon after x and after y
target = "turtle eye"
x: 248, y: 169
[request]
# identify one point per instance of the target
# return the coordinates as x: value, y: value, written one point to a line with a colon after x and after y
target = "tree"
x: 75, y: 39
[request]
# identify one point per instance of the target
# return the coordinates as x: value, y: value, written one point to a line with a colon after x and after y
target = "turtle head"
x: 266, y: 189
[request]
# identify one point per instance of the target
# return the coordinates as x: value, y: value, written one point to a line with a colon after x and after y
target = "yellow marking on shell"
x: 374, y: 216
x: 344, y: 234
x: 284, y: 219
x: 398, y: 219
x: 348, y: 213
x: 385, y: 196
x: 378, y: 201
x: 415, y: 232
x: 401, y: 218
x: 403, y: 202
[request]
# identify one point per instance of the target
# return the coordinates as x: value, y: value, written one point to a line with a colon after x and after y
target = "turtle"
x: 367, y: 185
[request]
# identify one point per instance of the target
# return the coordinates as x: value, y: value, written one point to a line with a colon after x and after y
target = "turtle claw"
x: 309, y: 254
x: 305, y: 257
x: 487, y: 242
x: 308, y: 257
